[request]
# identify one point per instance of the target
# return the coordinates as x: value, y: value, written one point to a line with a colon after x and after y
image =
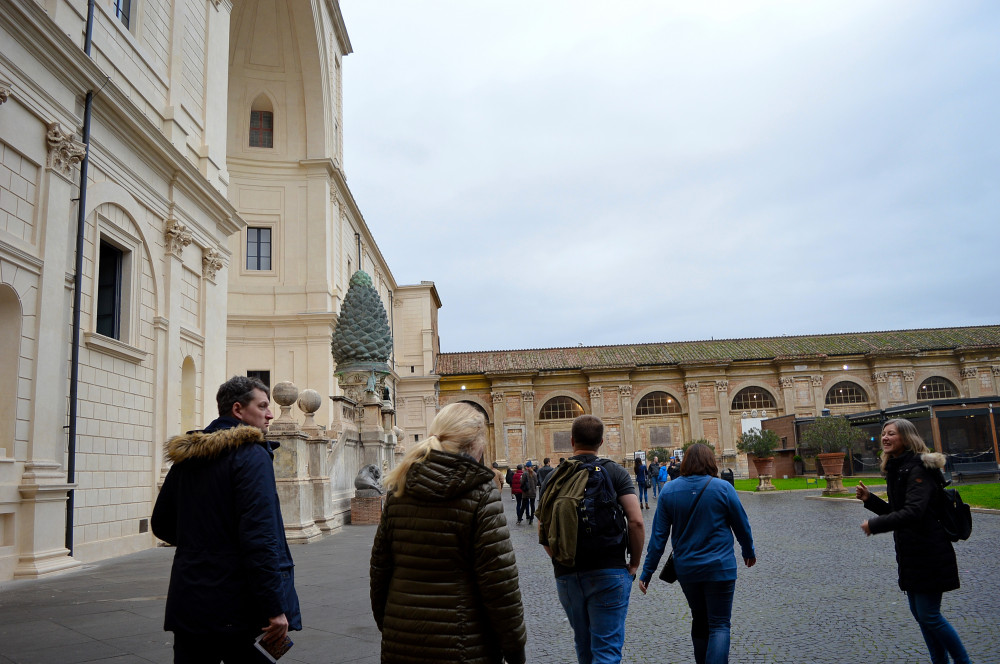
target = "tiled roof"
x: 681, y: 352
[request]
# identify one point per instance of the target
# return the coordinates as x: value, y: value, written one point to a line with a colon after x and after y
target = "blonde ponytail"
x: 458, y: 428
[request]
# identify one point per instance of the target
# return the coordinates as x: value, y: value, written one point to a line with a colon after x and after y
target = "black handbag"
x: 669, y: 571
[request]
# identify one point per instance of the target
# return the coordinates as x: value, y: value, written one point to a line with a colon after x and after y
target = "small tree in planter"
x: 834, y: 437
x: 761, y: 444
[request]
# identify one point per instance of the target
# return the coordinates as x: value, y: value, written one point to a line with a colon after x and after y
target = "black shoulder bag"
x: 669, y: 572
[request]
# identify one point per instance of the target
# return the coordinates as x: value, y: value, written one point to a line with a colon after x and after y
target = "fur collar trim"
x: 933, y: 460
x: 200, y: 445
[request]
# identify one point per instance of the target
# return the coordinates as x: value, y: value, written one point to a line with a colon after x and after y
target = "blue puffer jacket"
x: 219, y: 506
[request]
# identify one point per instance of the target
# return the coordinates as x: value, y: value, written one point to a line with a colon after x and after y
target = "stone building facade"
x: 220, y: 235
x: 662, y: 395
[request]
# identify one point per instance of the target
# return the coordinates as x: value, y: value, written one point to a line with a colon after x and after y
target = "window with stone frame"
x: 560, y: 408
x: 123, y: 12
x: 750, y: 398
x: 846, y: 392
x: 657, y: 403
x: 262, y: 122
x: 936, y: 387
x: 258, y: 248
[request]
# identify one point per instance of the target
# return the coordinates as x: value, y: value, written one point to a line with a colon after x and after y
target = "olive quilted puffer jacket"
x: 444, y: 584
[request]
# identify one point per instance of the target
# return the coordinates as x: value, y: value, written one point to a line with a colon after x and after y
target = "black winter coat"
x: 444, y: 583
x: 924, y: 552
x: 219, y: 506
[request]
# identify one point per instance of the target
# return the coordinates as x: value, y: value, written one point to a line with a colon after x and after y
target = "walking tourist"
x: 701, y: 513
x: 515, y: 488
x: 231, y: 579
x: 498, y: 476
x: 529, y: 491
x: 924, y: 553
x: 673, y: 470
x: 663, y: 476
x: 653, y: 472
x: 509, y: 478
x: 640, y: 483
x: 444, y: 583
x: 593, y: 578
x: 544, y: 472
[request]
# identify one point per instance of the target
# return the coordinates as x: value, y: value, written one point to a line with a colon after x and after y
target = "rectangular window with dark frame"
x: 262, y: 376
x: 261, y: 129
x: 258, y: 248
x: 123, y: 11
x: 109, y: 290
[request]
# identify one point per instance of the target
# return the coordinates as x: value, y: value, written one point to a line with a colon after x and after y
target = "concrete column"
x: 628, y: 426
x: 535, y: 450
x: 41, y: 519
x: 725, y: 421
x: 694, y: 409
x: 499, y: 428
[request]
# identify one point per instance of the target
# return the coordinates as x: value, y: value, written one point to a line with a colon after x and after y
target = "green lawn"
x: 976, y: 495
x: 800, y: 483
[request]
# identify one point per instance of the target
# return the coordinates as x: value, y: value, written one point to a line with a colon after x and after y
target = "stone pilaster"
x: 499, y: 428
x: 694, y: 409
x: 726, y: 440
x: 532, y: 444
x: 970, y: 381
x: 628, y: 425
x: 596, y: 393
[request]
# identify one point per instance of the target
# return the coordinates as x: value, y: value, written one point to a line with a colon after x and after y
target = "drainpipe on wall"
x: 392, y: 356
x: 357, y: 236
x: 74, y: 368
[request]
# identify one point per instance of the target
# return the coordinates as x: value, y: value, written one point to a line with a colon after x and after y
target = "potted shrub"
x: 799, y: 464
x: 760, y: 444
x: 834, y: 437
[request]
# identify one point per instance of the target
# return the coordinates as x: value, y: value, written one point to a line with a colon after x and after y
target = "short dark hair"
x: 699, y: 460
x: 587, y: 432
x: 238, y: 389
x: 546, y: 460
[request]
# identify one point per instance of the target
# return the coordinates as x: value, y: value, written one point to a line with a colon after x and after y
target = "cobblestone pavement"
x: 821, y: 592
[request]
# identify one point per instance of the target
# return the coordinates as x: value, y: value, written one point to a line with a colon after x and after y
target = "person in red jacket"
x: 515, y: 488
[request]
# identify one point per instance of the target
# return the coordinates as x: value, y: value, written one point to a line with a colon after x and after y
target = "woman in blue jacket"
x: 702, y: 542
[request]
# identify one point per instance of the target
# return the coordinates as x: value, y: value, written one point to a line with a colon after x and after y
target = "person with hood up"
x: 924, y: 553
x: 444, y: 581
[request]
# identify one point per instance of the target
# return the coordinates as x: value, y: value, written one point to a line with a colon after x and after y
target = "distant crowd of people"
x: 443, y: 575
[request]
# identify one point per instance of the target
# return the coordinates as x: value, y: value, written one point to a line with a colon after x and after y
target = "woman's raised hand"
x: 861, y: 492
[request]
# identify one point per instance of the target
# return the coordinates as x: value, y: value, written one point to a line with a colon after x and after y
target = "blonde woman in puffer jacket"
x: 926, y: 558
x: 444, y: 582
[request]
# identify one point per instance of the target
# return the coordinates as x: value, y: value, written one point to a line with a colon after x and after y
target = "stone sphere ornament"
x: 284, y: 394
x: 309, y: 402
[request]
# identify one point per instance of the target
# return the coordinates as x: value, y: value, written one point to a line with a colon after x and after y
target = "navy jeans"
x: 596, y: 603
x: 711, y: 605
x: 941, y: 638
x: 643, y: 495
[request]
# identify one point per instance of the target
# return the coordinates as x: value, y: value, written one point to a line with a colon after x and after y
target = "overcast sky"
x: 574, y: 172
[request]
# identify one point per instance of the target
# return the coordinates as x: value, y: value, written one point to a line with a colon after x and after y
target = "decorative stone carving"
x: 309, y: 402
x: 65, y: 152
x: 211, y: 262
x: 430, y: 401
x: 786, y: 383
x: 625, y: 390
x: 691, y: 388
x: 368, y: 482
x: 722, y: 385
x: 5, y: 93
x: 880, y: 376
x: 817, y: 381
x: 996, y: 370
x: 909, y: 375
x: 177, y: 236
x: 527, y: 395
x: 497, y: 397
x: 362, y: 340
x: 969, y: 372
x: 595, y: 392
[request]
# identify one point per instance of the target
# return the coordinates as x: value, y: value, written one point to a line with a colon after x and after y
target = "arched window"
x: 486, y: 416
x: 752, y: 398
x: 560, y: 408
x: 846, y: 392
x: 936, y: 387
x: 657, y: 403
x: 262, y: 123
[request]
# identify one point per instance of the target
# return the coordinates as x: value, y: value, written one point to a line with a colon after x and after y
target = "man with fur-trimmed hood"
x: 231, y: 579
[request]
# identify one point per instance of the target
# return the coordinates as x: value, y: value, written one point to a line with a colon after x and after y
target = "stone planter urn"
x: 765, y: 471
x: 833, y: 467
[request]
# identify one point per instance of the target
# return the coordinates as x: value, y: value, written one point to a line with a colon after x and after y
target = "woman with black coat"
x: 926, y: 558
